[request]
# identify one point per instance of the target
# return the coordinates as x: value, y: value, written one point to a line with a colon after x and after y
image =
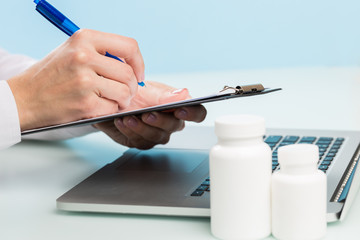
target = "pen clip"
x: 237, y: 89
x: 245, y: 89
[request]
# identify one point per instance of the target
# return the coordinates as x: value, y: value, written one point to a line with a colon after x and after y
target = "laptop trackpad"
x: 156, y: 160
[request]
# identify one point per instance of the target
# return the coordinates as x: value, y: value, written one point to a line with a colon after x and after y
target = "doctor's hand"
x: 150, y: 129
x: 77, y: 81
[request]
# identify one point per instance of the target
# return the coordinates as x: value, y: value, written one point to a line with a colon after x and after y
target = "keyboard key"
x: 332, y: 150
x: 326, y: 163
x: 273, y: 139
x: 285, y: 143
x: 339, y: 139
x: 202, y: 188
x: 331, y: 154
x: 328, y: 158
x: 338, y: 142
x: 291, y: 139
x: 323, y: 167
x: 308, y: 139
x: 197, y: 193
x: 206, y: 183
x: 328, y: 139
x: 322, y: 146
x: 272, y: 145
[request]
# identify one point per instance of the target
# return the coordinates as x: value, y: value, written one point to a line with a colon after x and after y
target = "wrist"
x: 22, y: 103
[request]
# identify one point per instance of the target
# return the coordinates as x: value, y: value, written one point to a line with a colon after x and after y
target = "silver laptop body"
x: 162, y: 181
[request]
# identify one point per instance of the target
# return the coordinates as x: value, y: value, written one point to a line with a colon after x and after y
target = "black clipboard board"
x: 226, y: 93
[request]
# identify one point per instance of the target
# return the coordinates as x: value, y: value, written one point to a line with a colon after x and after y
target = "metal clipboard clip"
x: 243, y: 89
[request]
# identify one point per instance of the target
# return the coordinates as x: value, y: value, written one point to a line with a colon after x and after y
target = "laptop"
x: 174, y: 179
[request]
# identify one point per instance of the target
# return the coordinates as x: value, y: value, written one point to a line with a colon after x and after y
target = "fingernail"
x: 182, y: 114
x: 177, y: 91
x: 132, y: 122
x: 151, y: 118
x: 120, y: 123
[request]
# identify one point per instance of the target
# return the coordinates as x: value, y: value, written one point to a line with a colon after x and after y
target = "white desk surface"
x: 33, y: 174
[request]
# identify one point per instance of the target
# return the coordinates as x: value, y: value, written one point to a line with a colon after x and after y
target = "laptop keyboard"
x: 328, y: 148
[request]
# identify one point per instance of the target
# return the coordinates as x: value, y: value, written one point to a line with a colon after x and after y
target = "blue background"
x: 202, y: 35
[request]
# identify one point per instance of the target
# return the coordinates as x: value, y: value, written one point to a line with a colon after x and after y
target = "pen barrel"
x: 56, y: 17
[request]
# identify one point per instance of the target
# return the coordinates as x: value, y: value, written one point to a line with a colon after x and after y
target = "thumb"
x: 175, y: 95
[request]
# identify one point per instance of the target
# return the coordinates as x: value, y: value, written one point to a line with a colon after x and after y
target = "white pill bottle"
x: 298, y: 194
x: 240, y: 176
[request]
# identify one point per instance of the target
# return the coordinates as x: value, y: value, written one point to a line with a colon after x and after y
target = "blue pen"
x: 63, y: 23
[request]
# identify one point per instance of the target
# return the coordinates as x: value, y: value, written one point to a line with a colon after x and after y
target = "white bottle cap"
x: 239, y: 126
x: 298, y: 155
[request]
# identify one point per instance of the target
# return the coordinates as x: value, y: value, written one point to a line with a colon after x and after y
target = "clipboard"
x: 224, y: 94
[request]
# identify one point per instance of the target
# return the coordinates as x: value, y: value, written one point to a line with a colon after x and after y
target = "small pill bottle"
x: 240, y: 175
x: 298, y: 194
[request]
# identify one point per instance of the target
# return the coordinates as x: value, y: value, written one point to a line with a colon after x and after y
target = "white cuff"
x: 10, y: 132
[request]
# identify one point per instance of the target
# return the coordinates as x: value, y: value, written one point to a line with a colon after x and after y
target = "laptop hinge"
x: 344, y: 186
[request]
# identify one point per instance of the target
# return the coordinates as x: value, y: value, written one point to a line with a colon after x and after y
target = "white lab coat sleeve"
x: 10, y: 133
x: 9, y: 120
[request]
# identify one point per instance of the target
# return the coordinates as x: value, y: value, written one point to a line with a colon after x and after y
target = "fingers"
x: 116, y: 82
x: 164, y: 121
x: 156, y: 127
x: 139, y: 134
x: 152, y: 128
x: 120, y: 79
x: 120, y: 46
x: 112, y: 90
x: 135, y: 127
x: 115, y: 70
x: 192, y: 113
x: 111, y: 130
